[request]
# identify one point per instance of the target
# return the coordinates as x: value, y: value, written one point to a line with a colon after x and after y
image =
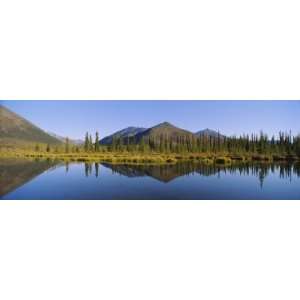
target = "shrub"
x: 237, y: 157
x: 223, y: 160
x: 207, y: 161
x: 170, y: 160
x: 291, y: 157
x: 278, y: 157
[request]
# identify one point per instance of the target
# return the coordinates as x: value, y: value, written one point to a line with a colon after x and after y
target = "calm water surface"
x: 24, y: 179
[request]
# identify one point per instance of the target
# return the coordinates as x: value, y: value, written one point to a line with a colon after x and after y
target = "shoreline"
x: 153, y: 158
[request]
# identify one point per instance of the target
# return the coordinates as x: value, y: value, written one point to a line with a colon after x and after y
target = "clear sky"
x: 74, y: 118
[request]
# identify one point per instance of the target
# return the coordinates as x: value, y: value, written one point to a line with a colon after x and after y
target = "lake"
x: 45, y: 179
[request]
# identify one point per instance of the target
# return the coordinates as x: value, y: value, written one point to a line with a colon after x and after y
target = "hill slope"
x: 125, y: 133
x: 15, y: 128
x: 164, y: 130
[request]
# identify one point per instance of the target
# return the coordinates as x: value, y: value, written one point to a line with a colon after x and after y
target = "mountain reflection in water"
x: 16, y: 172
x: 167, y: 173
x: 47, y: 179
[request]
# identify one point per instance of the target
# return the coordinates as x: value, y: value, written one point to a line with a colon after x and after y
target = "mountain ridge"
x: 63, y: 139
x: 14, y: 127
x: 123, y: 133
x: 161, y: 130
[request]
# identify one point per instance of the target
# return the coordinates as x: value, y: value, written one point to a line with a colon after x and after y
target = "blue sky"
x: 74, y: 118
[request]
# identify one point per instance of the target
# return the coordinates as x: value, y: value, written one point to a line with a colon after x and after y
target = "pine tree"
x: 166, y: 144
x: 161, y: 145
x: 114, y: 144
x: 297, y: 145
x: 171, y: 146
x: 67, y: 145
x: 91, y: 148
x: 121, y: 146
x: 86, y: 142
x: 247, y: 146
x: 97, y: 142
x: 128, y: 145
x: 142, y: 145
x: 219, y: 142
x: 48, y: 148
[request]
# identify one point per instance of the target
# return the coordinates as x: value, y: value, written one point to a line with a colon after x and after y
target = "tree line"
x: 284, y: 144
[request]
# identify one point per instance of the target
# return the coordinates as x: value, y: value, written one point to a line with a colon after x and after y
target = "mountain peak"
x: 123, y: 133
x: 164, y: 124
x: 164, y: 129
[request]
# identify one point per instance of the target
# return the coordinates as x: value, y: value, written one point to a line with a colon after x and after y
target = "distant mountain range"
x: 161, y: 130
x: 16, y: 128
x: 63, y: 139
x: 124, y: 134
x: 209, y: 132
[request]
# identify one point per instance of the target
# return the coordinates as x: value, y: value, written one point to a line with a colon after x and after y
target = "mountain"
x: 63, y: 139
x: 124, y: 134
x: 164, y: 130
x: 161, y: 130
x: 15, y: 129
x: 209, y: 132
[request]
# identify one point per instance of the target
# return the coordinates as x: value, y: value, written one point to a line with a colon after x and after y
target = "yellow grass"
x: 132, y: 157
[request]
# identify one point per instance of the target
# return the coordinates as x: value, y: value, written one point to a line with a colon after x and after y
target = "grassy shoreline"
x: 150, y: 158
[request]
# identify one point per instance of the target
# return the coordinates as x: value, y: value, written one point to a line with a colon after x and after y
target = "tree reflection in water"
x: 167, y: 173
x: 16, y: 172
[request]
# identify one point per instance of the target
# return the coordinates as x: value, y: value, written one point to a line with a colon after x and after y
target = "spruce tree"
x: 97, y: 142
x: 91, y: 148
x: 114, y: 144
x: 142, y: 145
x: 161, y: 144
x: 128, y: 145
x: 121, y: 146
x: 86, y: 142
x: 67, y: 145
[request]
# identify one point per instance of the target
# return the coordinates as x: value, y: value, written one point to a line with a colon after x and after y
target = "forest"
x: 253, y: 145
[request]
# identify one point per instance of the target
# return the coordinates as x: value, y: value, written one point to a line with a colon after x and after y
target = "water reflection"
x: 88, y: 168
x: 17, y: 172
x: 96, y: 169
x: 14, y: 173
x: 167, y: 173
x: 67, y: 166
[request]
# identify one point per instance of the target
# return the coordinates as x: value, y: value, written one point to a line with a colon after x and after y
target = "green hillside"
x: 15, y: 130
x: 164, y: 131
